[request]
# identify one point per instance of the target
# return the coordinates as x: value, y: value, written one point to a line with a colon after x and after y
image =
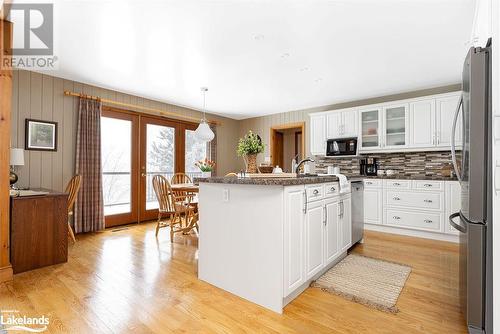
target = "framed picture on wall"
x: 40, y: 135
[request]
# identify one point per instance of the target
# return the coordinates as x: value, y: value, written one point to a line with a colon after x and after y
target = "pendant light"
x: 203, y: 132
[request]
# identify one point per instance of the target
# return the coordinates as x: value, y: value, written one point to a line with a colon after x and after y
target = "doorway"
x: 135, y: 148
x: 287, y: 142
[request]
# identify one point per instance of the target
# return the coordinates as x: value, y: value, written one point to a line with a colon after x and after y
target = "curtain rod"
x: 129, y: 105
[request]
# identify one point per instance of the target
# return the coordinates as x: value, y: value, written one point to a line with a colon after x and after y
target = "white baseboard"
x: 412, y: 233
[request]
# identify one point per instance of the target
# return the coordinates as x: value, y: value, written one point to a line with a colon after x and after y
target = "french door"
x: 135, y: 148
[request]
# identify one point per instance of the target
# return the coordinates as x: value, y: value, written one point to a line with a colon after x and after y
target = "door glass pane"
x: 369, y: 128
x: 195, y: 150
x: 160, y: 157
x: 395, y: 126
x: 116, y: 149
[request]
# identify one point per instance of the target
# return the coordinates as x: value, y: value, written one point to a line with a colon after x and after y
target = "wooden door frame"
x: 276, y: 128
x: 5, y: 120
x: 133, y: 216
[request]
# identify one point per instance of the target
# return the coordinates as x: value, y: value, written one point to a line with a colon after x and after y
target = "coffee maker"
x: 368, y: 166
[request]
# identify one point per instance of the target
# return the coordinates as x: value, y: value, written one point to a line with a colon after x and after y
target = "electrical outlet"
x: 225, y: 195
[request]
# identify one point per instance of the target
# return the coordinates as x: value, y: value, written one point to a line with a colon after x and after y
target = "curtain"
x: 89, y: 208
x: 212, y: 147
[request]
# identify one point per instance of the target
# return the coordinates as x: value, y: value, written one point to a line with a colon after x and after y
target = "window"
x: 195, y: 150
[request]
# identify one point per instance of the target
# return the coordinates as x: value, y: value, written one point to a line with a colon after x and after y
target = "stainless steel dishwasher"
x: 357, y: 208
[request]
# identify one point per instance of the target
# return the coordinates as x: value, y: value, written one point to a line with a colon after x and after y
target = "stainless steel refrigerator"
x: 473, y: 168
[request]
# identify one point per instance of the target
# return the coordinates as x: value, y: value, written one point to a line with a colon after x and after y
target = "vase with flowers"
x: 206, y: 167
x: 248, y: 148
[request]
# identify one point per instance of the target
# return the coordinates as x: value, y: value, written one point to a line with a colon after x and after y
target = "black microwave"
x: 341, y: 147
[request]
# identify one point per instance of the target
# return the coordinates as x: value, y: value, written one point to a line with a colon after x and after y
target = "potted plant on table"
x: 248, y: 148
x: 206, y: 166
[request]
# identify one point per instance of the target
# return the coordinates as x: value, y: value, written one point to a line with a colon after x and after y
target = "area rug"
x: 374, y: 283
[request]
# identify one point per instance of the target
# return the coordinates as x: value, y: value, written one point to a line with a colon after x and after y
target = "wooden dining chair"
x: 177, y: 209
x: 72, y: 189
x: 178, y: 178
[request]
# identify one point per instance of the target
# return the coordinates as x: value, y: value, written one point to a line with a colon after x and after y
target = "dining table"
x: 189, y: 189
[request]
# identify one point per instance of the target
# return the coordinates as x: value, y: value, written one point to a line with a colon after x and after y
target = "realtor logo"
x: 33, y: 29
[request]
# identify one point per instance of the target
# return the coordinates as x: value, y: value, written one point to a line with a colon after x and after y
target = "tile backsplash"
x: 404, y: 164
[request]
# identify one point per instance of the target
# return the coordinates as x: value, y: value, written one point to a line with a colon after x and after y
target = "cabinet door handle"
x: 428, y: 221
x: 396, y: 184
x: 316, y: 191
x: 427, y: 185
x: 396, y: 217
x: 437, y: 137
x: 369, y: 182
x: 332, y: 188
x: 396, y: 198
x: 326, y: 212
x: 427, y: 200
x: 305, y: 201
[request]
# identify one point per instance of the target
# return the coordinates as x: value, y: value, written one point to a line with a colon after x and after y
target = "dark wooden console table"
x: 39, y: 230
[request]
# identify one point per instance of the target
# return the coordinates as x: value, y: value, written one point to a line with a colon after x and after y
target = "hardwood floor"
x: 127, y: 281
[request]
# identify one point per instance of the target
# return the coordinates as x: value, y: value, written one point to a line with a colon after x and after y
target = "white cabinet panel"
x: 334, y: 125
x: 419, y: 220
x: 345, y: 224
x: 395, y: 134
x: 372, y: 202
x: 445, y: 111
x: 350, y: 123
x: 422, y: 123
x: 314, y: 238
x: 294, y: 274
x: 318, y: 135
x: 453, y: 204
x: 332, y: 242
x: 415, y: 200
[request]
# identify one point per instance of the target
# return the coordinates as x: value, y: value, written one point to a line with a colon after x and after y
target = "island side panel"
x: 241, y: 241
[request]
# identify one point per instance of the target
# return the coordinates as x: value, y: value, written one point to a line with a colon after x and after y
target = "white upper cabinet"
x: 350, y: 123
x: 417, y: 124
x: 371, y: 125
x: 317, y: 134
x: 395, y: 126
x: 333, y: 125
x: 342, y: 124
x: 423, y: 123
x: 445, y: 111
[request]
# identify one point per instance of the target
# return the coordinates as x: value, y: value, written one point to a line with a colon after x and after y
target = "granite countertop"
x: 289, y: 181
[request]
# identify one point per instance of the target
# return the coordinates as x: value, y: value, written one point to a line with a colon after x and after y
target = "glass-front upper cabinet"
x: 395, y: 126
x: 370, y: 128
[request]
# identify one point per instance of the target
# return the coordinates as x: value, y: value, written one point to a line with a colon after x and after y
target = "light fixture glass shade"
x: 16, y: 157
x: 203, y: 132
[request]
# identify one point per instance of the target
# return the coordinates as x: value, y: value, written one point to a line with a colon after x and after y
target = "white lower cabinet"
x: 333, y: 229
x: 315, y: 229
x: 316, y: 233
x: 417, y: 204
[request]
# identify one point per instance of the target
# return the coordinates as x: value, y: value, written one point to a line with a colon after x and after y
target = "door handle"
x: 428, y: 221
x: 427, y: 201
x: 396, y: 217
x: 396, y: 198
x: 324, y: 215
x: 143, y: 174
x: 453, y: 149
x: 457, y: 227
x: 305, y: 201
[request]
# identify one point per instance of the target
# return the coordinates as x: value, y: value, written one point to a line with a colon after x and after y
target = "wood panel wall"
x: 261, y: 125
x: 40, y: 96
x: 5, y: 111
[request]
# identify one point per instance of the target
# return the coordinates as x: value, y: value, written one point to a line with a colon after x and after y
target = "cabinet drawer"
x: 372, y: 183
x: 428, y: 185
x: 415, y: 200
x: 397, y: 184
x: 331, y: 189
x: 419, y: 220
x: 314, y: 192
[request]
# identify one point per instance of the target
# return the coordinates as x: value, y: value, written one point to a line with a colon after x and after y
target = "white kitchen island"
x: 265, y: 240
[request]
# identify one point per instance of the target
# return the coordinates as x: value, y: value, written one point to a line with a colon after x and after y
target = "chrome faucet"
x: 301, y: 163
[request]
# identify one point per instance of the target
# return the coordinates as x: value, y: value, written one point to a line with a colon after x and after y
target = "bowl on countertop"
x: 266, y: 169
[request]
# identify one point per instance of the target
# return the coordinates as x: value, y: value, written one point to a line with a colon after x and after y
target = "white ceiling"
x: 262, y: 57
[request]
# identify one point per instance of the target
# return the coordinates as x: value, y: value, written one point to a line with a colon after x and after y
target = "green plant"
x: 251, y: 143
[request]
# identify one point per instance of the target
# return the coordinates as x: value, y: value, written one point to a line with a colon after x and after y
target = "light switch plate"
x: 225, y: 195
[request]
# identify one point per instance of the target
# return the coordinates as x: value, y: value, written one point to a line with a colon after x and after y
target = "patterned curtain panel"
x: 212, y: 148
x: 89, y: 208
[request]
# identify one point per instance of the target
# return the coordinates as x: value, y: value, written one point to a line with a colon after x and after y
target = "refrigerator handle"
x: 455, y: 225
x: 453, y: 129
